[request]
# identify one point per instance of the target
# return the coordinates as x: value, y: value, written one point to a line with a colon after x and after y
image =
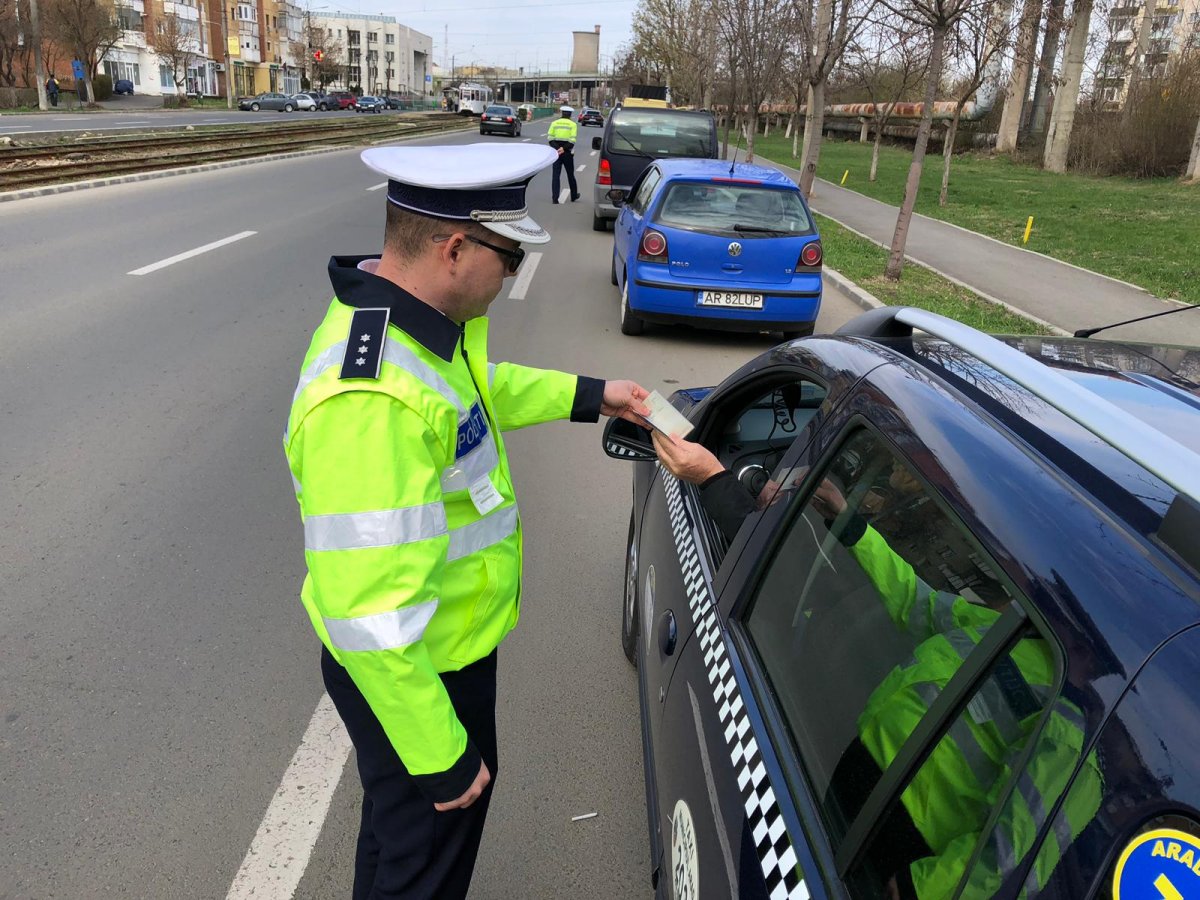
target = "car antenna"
x: 1088, y: 332
x: 733, y: 163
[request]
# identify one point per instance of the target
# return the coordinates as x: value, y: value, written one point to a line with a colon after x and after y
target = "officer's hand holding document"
x: 666, y: 418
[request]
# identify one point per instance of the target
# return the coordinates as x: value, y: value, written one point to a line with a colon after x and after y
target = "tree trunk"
x: 875, y: 149
x: 814, y: 122
x: 1018, y: 91
x: 1066, y: 98
x: 795, y: 142
x: 808, y: 108
x: 895, y: 264
x: 948, y: 152
x: 1193, y: 166
x: 1041, y: 91
x: 750, y: 132
x: 791, y: 124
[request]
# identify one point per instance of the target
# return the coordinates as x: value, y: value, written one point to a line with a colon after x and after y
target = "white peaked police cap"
x: 565, y: 108
x: 482, y: 183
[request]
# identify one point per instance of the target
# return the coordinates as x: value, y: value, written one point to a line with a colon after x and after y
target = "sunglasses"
x: 514, y: 257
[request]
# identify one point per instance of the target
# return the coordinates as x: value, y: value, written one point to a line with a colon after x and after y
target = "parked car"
x: 305, y: 102
x: 321, y: 101
x: 500, y: 120
x: 367, y: 103
x: 948, y: 647
x: 393, y: 103
x: 717, y: 245
x: 590, y: 116
x: 123, y: 86
x: 634, y: 137
x: 269, y: 100
x: 345, y: 99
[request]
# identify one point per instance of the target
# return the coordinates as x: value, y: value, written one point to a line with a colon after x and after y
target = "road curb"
x: 848, y: 289
x: 69, y: 186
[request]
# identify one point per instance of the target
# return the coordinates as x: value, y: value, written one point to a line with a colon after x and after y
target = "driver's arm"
x: 723, y: 497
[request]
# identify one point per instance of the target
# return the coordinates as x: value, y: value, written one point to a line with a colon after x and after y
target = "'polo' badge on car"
x: 735, y: 249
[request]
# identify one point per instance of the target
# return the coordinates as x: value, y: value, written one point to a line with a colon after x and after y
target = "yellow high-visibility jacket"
x: 412, y: 535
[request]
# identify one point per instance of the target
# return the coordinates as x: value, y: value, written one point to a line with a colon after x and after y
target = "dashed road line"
x: 564, y: 195
x: 521, y: 285
x: 376, y: 187
x: 180, y: 257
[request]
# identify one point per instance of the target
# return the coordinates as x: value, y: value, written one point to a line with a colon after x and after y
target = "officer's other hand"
x: 560, y: 150
x: 828, y: 500
x: 624, y: 399
x: 472, y: 794
x: 686, y: 460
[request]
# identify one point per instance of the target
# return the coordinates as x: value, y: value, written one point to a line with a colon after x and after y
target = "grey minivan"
x: 634, y: 137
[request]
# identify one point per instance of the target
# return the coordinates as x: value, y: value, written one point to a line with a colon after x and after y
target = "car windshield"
x: 499, y: 111
x: 648, y: 132
x: 743, y: 208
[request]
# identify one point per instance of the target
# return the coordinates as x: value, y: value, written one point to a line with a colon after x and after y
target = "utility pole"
x: 37, y: 55
x: 225, y: 46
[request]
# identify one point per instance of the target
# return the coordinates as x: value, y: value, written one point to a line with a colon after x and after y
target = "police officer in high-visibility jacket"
x: 562, y: 135
x: 412, y: 535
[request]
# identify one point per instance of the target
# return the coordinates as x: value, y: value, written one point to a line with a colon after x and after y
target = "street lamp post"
x: 225, y: 49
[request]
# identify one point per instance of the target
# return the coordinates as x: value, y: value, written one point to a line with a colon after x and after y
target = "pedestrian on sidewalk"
x: 411, y: 533
x: 562, y: 134
x: 52, y: 89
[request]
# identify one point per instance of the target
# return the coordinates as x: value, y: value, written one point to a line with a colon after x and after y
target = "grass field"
x: 862, y: 262
x: 1143, y: 231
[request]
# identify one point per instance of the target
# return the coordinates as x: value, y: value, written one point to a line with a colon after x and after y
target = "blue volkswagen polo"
x: 716, y: 245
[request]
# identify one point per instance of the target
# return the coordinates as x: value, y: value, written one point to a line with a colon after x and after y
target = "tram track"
x: 87, y: 157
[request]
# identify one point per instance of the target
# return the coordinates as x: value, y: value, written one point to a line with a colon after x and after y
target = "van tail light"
x: 653, y: 247
x: 508, y: 118
x: 604, y: 173
x: 810, y: 256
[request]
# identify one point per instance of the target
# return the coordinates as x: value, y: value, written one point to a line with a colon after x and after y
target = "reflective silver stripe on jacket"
x: 475, y: 465
x: 491, y: 375
x: 489, y: 530
x: 381, y: 631
x: 981, y: 765
x: 924, y: 620
x: 380, y: 528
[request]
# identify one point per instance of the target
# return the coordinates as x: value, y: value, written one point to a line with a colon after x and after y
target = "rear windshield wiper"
x: 757, y: 230
x: 637, y: 150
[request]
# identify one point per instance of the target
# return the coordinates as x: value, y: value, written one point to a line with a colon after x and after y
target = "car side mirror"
x: 626, y: 441
x: 617, y: 196
x: 596, y: 143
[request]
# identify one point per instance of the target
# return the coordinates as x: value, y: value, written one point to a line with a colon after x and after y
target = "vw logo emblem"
x: 735, y: 249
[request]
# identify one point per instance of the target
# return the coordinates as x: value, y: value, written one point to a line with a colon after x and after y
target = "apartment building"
x: 1150, y: 33
x: 376, y: 54
x: 267, y: 47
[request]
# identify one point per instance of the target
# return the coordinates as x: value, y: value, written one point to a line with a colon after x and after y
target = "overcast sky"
x: 514, y: 34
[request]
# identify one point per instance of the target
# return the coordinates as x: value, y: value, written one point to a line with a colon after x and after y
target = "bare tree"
x: 939, y: 17
x: 1192, y: 173
x: 14, y: 41
x: 1066, y: 98
x: 175, y: 43
x: 1018, y: 90
x: 322, y: 43
x: 824, y: 31
x: 1036, y: 122
x: 679, y: 36
x: 888, y: 61
x: 89, y: 28
x: 979, y: 38
x: 757, y: 33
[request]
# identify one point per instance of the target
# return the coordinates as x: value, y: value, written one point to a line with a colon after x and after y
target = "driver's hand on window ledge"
x: 828, y: 500
x: 686, y: 460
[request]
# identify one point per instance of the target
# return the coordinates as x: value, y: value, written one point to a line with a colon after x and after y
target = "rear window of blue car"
x: 746, y: 209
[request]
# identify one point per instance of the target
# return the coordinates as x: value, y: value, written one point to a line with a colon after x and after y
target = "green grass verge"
x: 863, y: 262
x: 1141, y: 231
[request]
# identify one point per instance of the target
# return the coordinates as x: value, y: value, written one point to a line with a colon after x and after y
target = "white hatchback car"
x: 304, y: 102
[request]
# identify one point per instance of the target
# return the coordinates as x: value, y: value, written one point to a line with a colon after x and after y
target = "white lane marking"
x: 580, y: 167
x: 163, y: 263
x: 526, y: 140
x: 593, y: 153
x: 279, y: 853
x: 376, y: 187
x: 11, y: 127
x: 564, y: 195
x: 521, y: 285
x: 132, y: 122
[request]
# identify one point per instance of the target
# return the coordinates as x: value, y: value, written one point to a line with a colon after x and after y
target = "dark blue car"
x: 935, y: 630
x: 710, y: 244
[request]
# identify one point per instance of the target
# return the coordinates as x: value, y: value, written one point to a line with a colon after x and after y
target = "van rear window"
x: 648, y: 132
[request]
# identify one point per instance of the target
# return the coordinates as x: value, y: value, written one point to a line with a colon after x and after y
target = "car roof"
x: 716, y: 168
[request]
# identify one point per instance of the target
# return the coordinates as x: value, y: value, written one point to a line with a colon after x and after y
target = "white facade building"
x: 380, y: 55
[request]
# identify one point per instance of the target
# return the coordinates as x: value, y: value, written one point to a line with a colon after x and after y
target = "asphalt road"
x: 158, y: 671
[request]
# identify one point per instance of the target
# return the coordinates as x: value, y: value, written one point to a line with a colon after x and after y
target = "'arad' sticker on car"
x: 1164, y: 863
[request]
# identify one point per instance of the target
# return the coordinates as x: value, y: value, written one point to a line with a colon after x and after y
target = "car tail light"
x: 508, y: 118
x: 604, y: 173
x: 653, y: 247
x: 811, y: 255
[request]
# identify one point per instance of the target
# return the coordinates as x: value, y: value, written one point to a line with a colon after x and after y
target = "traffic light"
x: 318, y: 55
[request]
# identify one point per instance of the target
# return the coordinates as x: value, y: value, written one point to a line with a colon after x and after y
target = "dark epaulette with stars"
x: 364, y: 343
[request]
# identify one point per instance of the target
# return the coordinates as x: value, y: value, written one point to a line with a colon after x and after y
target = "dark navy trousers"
x: 566, y: 161
x: 407, y: 850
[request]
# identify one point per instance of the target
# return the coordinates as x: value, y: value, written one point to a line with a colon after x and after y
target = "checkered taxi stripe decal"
x: 775, y: 851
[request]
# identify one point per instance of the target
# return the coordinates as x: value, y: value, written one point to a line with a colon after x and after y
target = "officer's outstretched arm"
x: 523, y: 396
x: 375, y: 542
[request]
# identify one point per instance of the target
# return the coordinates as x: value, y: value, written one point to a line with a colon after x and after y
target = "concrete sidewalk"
x: 1057, y: 293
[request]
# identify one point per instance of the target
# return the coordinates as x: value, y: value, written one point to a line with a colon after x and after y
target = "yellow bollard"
x: 845, y: 175
x: 1028, y: 228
